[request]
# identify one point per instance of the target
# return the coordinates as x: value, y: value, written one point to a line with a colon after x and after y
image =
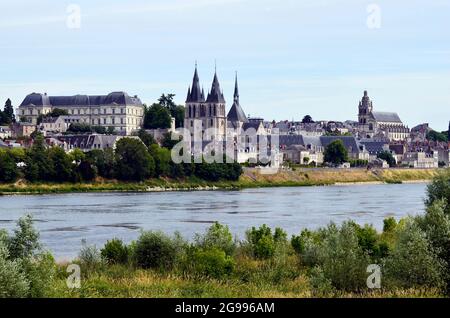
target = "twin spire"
x: 197, y: 95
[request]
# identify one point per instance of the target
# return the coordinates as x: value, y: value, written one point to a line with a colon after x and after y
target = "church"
x: 384, y: 125
x: 233, y: 131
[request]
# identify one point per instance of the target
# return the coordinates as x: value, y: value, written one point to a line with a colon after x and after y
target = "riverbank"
x: 251, y: 178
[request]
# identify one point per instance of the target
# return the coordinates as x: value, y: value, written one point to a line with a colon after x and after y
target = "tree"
x: 103, y: 160
x: 56, y: 112
x: 79, y: 128
x: 437, y: 136
x: 176, y: 111
x: 8, y: 112
x: 167, y: 141
x: 388, y: 157
x: 38, y: 166
x: 157, y: 116
x: 146, y: 138
x: 133, y: 161
x: 62, y: 164
x: 8, y: 167
x: 162, y: 158
x: 439, y: 189
x: 307, y: 119
x: 336, y: 153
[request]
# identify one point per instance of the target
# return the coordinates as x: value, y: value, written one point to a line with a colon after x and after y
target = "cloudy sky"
x: 293, y: 57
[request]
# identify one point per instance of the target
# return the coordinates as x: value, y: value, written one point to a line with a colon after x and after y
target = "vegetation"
x: 335, y: 153
x: 413, y: 255
x: 437, y: 136
x: 388, y: 157
x: 159, y: 115
x: 56, y: 112
x: 7, y: 115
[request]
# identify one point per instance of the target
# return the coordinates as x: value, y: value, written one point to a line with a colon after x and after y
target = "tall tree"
x: 307, y: 119
x: 133, y: 161
x: 8, y: 112
x: 157, y: 116
x: 176, y: 111
x: 336, y: 153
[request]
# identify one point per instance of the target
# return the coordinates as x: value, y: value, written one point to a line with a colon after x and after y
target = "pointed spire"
x: 236, y: 90
x: 195, y: 95
x: 215, y: 95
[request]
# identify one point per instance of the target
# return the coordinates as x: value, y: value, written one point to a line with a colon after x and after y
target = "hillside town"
x: 87, y: 122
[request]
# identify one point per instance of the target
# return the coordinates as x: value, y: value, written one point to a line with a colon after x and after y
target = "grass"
x: 252, y: 178
x: 119, y: 281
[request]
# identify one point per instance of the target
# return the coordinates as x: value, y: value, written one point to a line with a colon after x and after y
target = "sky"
x: 293, y: 57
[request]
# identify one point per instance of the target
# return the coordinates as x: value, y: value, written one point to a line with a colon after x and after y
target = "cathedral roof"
x: 386, y: 117
x: 118, y: 98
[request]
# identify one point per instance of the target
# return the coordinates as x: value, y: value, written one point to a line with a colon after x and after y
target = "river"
x: 65, y: 219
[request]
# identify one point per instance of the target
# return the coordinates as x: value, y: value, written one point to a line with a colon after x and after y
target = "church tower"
x: 194, y: 102
x: 365, y: 109
x: 213, y: 113
x: 236, y: 115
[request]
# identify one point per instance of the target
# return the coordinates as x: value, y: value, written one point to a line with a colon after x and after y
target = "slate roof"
x: 114, y: 98
x: 350, y: 143
x: 386, y: 117
x: 195, y: 94
x: 374, y: 147
x: 236, y: 113
x: 215, y: 95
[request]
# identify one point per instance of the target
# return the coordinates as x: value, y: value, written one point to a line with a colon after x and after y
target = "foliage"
x: 307, y: 119
x: 219, y: 237
x: 56, y: 112
x: 336, y: 153
x: 103, y: 160
x: 133, y: 162
x: 146, y: 138
x: 7, y: 115
x: 439, y: 189
x: 263, y: 243
x: 162, y: 158
x: 115, y: 252
x: 413, y: 262
x: 388, y: 157
x: 8, y: 167
x: 176, y: 112
x: 157, y: 116
x: 155, y: 250
x: 89, y: 257
x: 62, y: 170
x: 211, y: 262
x: 437, y: 136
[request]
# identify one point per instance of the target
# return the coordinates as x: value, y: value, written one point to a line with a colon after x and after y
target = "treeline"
x: 132, y: 160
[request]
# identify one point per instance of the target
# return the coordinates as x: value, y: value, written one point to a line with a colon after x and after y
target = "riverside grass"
x: 251, y: 178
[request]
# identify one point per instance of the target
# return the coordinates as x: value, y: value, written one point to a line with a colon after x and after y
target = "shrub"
x: 339, y: 256
x: 211, y: 262
x: 40, y: 273
x: 439, y: 189
x: 217, y: 236
x: 115, y: 252
x: 156, y: 250
x: 389, y: 224
x: 89, y: 257
x: 263, y: 243
x: 413, y: 262
x: 25, y: 241
x: 13, y: 282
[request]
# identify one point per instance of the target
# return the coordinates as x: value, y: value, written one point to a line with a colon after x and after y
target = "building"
x: 23, y: 129
x: 210, y: 111
x: 421, y: 160
x: 379, y: 124
x: 59, y: 124
x: 86, y: 142
x: 118, y: 110
x: 5, y: 132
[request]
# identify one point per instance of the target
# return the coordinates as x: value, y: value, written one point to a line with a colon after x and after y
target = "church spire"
x: 236, y: 90
x: 215, y: 95
x: 195, y: 95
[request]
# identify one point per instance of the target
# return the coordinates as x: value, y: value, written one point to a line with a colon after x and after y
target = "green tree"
x: 38, y: 167
x: 8, y: 112
x: 103, y: 160
x: 437, y: 136
x: 439, y: 189
x: 133, y: 161
x: 79, y: 128
x: 162, y: 158
x: 157, y: 116
x: 388, y: 157
x: 8, y: 167
x: 176, y: 111
x: 146, y: 138
x: 56, y: 112
x: 62, y: 164
x: 336, y: 153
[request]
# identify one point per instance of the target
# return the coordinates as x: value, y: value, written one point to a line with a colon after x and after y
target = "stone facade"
x: 118, y: 110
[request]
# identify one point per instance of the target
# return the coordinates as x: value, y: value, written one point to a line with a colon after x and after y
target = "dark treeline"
x: 132, y: 160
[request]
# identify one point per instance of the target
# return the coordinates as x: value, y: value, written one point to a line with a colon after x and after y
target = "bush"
x: 339, y: 256
x: 115, y: 252
x: 211, y: 262
x: 13, y: 282
x: 40, y: 273
x: 439, y: 189
x: 389, y: 225
x: 263, y: 243
x: 90, y: 258
x: 156, y: 250
x: 413, y: 262
x: 217, y: 236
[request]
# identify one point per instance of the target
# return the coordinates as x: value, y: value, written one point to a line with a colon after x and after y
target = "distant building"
x: 59, y: 124
x: 5, y: 132
x: 372, y: 123
x: 86, y: 142
x: 421, y: 160
x: 118, y: 110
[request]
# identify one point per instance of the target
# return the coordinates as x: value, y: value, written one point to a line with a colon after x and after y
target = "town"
x: 374, y: 139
